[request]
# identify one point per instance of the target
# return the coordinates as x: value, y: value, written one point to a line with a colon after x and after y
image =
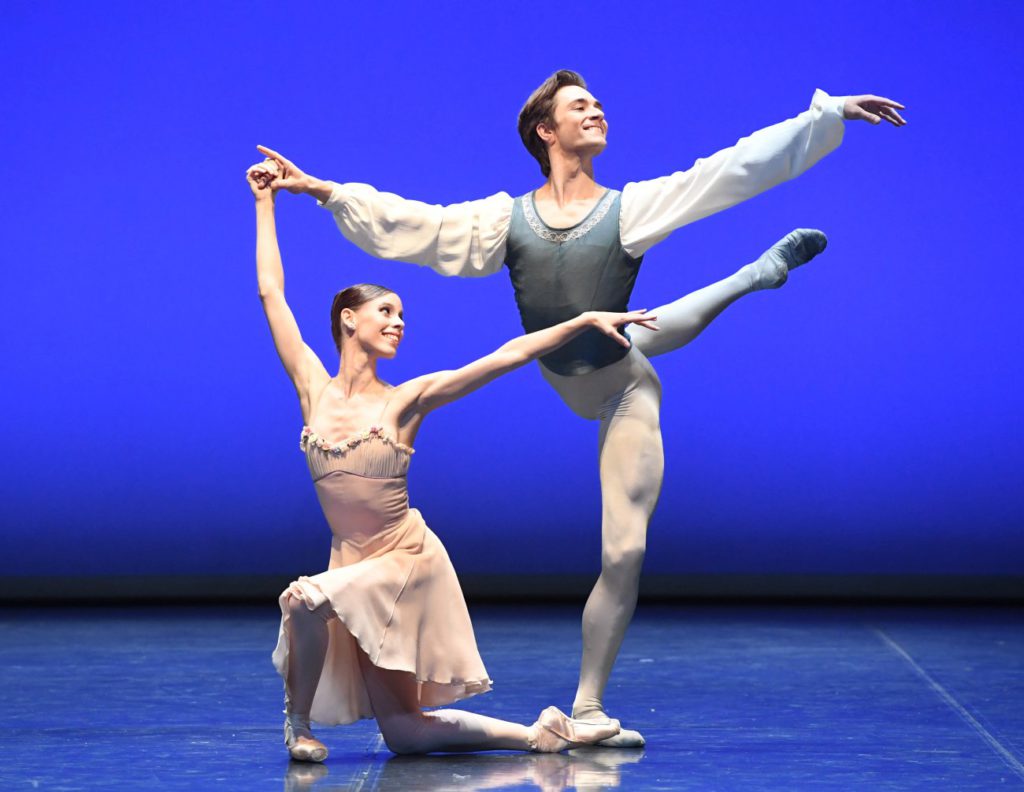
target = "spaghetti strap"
x: 383, y: 410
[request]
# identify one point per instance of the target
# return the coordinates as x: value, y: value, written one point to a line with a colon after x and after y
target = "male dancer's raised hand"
x: 293, y: 179
x: 873, y: 109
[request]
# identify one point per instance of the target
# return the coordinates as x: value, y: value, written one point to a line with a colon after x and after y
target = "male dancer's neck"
x: 571, y: 179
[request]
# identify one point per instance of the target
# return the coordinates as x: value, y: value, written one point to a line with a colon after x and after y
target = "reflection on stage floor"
x: 728, y: 697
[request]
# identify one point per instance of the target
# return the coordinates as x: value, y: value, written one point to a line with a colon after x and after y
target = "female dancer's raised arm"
x: 304, y: 368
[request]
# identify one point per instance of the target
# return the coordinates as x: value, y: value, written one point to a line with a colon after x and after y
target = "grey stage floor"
x: 729, y: 698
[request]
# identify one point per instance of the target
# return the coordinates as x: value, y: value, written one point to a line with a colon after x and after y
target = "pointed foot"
x: 302, y: 745
x: 555, y: 731
x: 772, y: 268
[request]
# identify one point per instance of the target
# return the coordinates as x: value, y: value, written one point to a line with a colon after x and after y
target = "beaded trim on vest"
x: 547, y: 234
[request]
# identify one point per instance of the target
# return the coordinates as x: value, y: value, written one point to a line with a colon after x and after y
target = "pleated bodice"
x: 360, y: 481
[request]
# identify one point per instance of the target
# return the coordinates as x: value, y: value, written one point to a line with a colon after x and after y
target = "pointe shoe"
x: 626, y: 738
x: 302, y: 745
x: 555, y: 731
x: 771, y: 270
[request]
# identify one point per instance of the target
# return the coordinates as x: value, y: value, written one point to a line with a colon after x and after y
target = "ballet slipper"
x: 302, y: 745
x: 626, y: 738
x: 771, y: 269
x: 555, y: 731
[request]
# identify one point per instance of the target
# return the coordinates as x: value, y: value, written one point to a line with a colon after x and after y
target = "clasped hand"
x: 263, y: 179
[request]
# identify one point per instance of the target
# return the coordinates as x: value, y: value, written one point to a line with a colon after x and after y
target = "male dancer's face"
x: 580, y: 126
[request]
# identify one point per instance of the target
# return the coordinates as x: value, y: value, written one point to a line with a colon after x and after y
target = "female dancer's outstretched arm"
x: 431, y: 391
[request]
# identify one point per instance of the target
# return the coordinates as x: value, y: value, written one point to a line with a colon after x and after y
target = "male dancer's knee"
x: 622, y: 560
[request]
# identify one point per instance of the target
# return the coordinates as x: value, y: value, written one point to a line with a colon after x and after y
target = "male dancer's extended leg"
x: 683, y: 320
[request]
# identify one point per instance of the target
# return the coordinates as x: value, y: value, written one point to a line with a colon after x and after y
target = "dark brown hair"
x: 540, y: 109
x: 352, y: 297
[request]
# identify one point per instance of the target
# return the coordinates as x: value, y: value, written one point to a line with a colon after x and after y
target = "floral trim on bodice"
x: 541, y: 229
x: 311, y: 438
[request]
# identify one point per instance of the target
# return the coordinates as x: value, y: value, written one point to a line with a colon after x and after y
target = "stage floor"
x: 728, y: 697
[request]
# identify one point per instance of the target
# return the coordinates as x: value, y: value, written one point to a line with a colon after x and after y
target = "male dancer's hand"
x: 609, y: 322
x: 873, y: 109
x: 293, y: 179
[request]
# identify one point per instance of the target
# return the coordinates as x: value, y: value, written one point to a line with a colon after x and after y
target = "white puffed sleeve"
x: 651, y: 210
x: 464, y: 239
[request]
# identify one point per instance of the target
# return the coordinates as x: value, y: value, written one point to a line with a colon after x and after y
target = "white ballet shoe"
x: 626, y: 738
x: 302, y: 745
x: 771, y: 269
x: 555, y: 731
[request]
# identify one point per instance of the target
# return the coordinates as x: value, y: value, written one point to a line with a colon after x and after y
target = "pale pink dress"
x: 389, y: 581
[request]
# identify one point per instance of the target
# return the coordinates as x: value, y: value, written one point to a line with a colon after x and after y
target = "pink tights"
x: 393, y: 695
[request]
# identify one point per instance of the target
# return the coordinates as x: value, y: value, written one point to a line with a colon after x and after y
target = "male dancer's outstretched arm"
x: 652, y: 209
x: 468, y: 239
x: 465, y: 239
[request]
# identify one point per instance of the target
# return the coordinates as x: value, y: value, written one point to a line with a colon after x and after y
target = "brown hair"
x: 540, y: 109
x: 352, y: 297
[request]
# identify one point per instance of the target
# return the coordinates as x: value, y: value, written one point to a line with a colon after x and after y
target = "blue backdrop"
x: 865, y: 418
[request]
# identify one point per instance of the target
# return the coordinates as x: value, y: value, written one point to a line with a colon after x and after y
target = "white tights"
x: 626, y: 398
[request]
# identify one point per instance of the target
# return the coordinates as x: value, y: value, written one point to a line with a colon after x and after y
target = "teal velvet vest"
x: 559, y: 273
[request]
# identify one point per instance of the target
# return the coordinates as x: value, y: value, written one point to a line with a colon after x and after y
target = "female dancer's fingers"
x: 611, y: 329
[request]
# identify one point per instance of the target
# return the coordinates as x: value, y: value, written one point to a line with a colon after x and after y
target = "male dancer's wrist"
x: 318, y: 188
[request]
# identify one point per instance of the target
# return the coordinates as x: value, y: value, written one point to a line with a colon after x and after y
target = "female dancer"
x: 385, y: 630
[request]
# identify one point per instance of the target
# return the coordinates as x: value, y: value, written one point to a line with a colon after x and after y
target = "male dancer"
x: 572, y: 245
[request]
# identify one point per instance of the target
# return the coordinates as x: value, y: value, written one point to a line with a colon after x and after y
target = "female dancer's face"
x: 378, y: 325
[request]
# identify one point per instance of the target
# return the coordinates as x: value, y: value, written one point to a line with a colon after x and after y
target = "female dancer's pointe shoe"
x: 302, y: 745
x: 772, y: 267
x: 555, y: 731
